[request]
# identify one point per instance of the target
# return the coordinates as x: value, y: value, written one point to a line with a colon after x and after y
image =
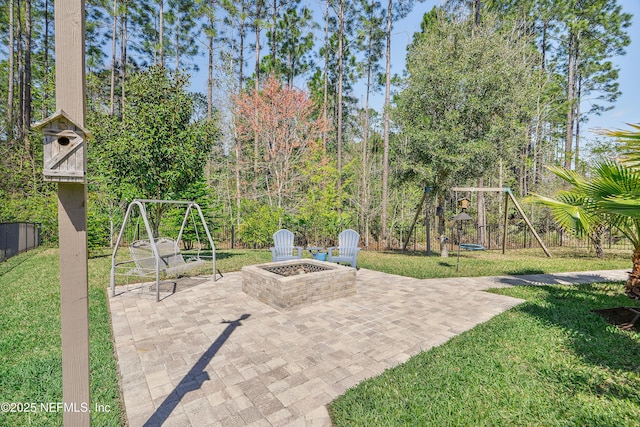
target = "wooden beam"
x: 415, y: 219
x: 72, y: 220
x: 526, y: 220
x: 506, y: 219
x: 481, y: 189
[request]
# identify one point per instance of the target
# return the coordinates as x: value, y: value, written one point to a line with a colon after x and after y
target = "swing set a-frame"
x: 508, y: 195
x: 157, y: 255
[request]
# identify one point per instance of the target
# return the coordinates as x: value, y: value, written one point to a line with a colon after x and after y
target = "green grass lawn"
x: 491, y: 263
x: 545, y: 361
x: 472, y: 263
x: 30, y: 343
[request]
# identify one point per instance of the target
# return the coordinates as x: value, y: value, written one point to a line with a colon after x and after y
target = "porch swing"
x: 160, y: 257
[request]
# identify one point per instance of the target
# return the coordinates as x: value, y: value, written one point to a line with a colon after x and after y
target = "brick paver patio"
x: 210, y: 355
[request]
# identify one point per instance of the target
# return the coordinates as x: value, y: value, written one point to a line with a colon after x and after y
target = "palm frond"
x: 622, y: 204
x: 611, y: 179
x: 631, y: 143
x: 570, y: 176
x: 575, y: 219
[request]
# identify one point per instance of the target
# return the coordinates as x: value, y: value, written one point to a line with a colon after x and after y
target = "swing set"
x: 160, y: 257
x: 508, y: 196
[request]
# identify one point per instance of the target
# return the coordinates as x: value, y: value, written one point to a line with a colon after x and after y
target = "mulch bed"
x: 626, y: 318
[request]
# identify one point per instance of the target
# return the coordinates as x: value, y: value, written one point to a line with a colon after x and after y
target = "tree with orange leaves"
x: 284, y: 121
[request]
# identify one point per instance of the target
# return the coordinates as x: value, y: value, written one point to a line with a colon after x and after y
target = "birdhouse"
x: 64, y: 148
x: 463, y: 204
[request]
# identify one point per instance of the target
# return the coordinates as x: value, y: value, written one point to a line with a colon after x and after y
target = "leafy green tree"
x: 595, y: 31
x: 319, y: 216
x: 193, y: 231
x: 157, y: 151
x: 577, y: 39
x: 466, y: 101
x: 630, y: 144
x: 291, y: 56
x: 41, y: 209
x: 625, y: 199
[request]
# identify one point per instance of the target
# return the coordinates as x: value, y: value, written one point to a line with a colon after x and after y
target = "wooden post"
x: 415, y: 219
x: 506, y: 219
x: 72, y: 219
x: 428, y: 225
x: 529, y: 225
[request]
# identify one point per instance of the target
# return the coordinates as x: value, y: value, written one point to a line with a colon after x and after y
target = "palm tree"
x: 611, y: 195
x: 623, y: 202
x: 574, y: 210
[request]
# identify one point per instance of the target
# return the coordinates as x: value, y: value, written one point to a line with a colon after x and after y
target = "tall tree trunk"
x: 576, y: 154
x: 365, y: 139
x: 258, y: 31
x: 45, y: 74
x: 571, y: 77
x: 114, y: 32
x: 20, y: 67
x: 123, y: 56
x: 256, y: 138
x: 340, y: 82
x: 238, y: 149
x: 385, y: 156
x: 241, y: 52
x: 476, y: 12
x: 26, y: 82
x: 325, y: 134
x: 161, y: 33
x: 176, y: 38
x: 210, y: 66
x: 274, y: 26
x: 10, y: 89
x: 543, y: 47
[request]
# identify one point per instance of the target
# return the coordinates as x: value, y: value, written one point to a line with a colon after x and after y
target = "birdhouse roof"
x: 57, y: 115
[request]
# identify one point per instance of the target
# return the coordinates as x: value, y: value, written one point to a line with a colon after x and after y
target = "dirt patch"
x: 626, y: 318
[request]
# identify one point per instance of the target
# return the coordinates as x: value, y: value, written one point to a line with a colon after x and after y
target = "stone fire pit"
x: 286, y: 285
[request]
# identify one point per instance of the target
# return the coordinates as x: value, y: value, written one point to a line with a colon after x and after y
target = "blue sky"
x: 625, y: 109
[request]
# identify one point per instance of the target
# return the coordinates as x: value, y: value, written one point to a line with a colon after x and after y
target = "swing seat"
x: 171, y: 260
x: 471, y: 247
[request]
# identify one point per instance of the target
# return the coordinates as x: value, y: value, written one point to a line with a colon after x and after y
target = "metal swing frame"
x: 157, y: 256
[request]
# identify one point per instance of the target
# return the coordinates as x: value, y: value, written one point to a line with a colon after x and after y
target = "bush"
x: 259, y: 223
x: 40, y: 209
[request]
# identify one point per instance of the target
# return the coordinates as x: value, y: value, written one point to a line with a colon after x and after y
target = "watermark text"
x: 52, y: 407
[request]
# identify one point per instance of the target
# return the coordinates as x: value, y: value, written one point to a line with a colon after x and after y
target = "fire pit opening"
x: 294, y: 269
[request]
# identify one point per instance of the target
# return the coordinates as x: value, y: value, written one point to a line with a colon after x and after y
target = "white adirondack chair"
x: 347, y: 248
x: 283, y: 248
